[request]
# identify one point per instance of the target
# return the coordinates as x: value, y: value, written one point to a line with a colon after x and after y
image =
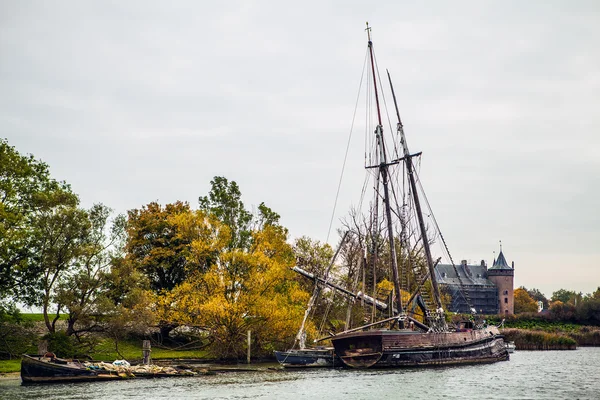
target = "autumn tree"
x: 243, y: 289
x: 538, y: 296
x: 524, y: 302
x: 154, y: 247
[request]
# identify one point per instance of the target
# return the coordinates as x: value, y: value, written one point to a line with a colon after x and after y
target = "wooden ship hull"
x: 40, y: 369
x: 406, y: 348
x: 308, y: 358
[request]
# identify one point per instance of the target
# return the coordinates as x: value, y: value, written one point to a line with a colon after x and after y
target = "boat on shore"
x: 50, y: 369
x: 398, y: 233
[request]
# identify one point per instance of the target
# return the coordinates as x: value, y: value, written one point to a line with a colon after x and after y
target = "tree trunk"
x: 70, y: 326
x: 49, y: 325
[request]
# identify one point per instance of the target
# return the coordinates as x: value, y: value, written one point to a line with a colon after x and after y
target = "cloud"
x: 139, y: 101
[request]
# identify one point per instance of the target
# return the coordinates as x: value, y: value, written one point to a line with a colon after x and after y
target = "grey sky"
x: 132, y: 102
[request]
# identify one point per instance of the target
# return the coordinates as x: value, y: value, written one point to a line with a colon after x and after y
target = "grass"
x: 132, y: 350
x: 7, y: 366
x: 39, y: 317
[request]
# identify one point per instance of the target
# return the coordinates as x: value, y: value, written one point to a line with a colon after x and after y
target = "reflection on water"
x: 528, y: 375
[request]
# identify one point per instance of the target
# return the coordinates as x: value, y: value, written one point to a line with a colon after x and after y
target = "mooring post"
x: 249, y: 342
x: 42, y: 347
x: 146, y: 350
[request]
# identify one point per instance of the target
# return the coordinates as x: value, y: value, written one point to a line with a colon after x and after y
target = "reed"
x: 539, y: 340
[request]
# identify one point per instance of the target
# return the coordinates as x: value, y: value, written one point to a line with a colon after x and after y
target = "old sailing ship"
x: 415, y: 332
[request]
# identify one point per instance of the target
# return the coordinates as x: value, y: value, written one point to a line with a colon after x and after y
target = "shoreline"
x: 10, y: 375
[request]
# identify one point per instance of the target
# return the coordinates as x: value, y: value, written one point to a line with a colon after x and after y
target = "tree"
x: 58, y: 244
x: 28, y: 198
x: 224, y: 201
x: 536, y: 295
x: 524, y: 302
x: 312, y: 255
x: 83, y: 289
x: 242, y: 289
x: 154, y: 247
x: 567, y: 296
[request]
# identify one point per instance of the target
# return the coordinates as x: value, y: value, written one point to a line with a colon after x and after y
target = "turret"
x: 502, y: 275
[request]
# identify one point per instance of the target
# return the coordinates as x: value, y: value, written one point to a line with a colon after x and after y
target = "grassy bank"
x: 7, y: 366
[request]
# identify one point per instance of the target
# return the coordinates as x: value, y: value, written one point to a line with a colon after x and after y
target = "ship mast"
x: 383, y: 170
x: 411, y: 176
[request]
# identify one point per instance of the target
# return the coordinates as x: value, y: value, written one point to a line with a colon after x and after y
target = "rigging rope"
x: 464, y: 290
x: 347, y: 149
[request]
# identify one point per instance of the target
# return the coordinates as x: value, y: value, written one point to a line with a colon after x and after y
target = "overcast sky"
x: 139, y: 101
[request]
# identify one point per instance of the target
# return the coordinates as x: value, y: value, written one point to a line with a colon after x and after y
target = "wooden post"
x: 146, y: 350
x: 42, y: 347
x: 249, y: 342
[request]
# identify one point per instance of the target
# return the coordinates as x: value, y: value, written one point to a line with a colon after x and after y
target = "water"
x: 528, y: 375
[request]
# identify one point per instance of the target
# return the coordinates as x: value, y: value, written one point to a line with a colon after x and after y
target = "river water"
x: 528, y: 375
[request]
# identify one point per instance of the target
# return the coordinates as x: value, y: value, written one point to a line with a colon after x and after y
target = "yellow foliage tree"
x: 237, y: 290
x: 524, y: 302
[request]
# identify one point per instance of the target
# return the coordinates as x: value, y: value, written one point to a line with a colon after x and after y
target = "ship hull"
x: 40, y: 369
x: 304, y: 358
x: 405, y: 348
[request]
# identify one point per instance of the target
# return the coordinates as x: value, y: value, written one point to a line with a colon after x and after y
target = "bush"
x: 17, y: 339
x: 61, y: 344
x: 17, y: 336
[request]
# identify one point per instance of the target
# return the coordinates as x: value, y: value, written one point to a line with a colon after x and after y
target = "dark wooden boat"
x: 413, y: 338
x: 42, y: 369
x: 51, y: 369
x: 308, y: 357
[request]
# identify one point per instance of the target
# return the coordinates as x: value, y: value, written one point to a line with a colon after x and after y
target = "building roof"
x: 469, y: 274
x: 500, y: 262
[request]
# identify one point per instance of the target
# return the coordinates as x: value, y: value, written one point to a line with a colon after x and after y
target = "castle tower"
x: 502, y: 275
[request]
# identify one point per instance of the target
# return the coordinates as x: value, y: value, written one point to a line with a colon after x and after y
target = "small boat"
x: 48, y: 368
x: 511, y: 347
x: 308, y: 357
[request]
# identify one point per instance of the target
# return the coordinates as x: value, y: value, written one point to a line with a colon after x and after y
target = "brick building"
x: 490, y: 291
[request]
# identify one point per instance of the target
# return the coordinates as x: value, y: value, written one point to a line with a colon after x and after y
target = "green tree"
x: 567, y: 296
x: 58, y: 244
x: 82, y: 291
x: 28, y: 197
x: 224, y: 201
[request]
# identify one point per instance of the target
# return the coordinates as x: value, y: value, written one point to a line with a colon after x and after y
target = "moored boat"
x: 50, y: 369
x: 308, y: 357
x: 511, y: 347
x: 47, y: 368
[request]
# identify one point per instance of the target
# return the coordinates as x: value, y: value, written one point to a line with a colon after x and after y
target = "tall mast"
x: 383, y: 169
x: 411, y: 177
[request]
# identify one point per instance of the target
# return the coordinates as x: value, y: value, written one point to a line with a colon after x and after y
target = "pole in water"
x: 249, y: 343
